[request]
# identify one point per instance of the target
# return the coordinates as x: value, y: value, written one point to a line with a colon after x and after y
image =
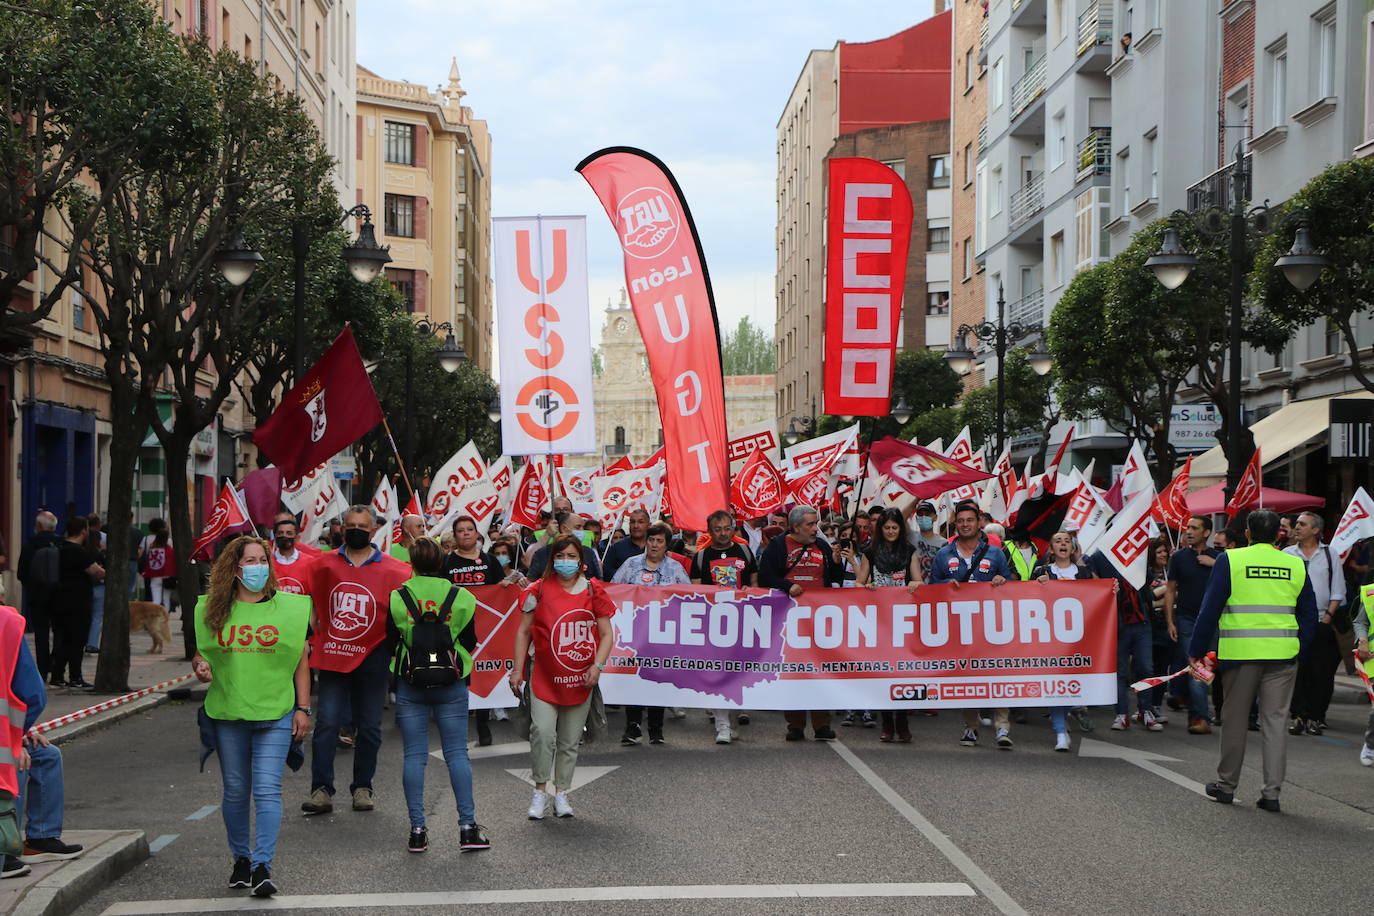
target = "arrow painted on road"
x: 581, y: 776
x: 491, y: 750
x: 1087, y: 747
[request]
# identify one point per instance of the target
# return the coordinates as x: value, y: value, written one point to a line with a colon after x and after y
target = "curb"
x: 77, y: 881
x: 109, y: 717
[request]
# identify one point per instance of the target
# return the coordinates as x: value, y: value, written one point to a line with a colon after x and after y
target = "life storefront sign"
x: 1019, y: 644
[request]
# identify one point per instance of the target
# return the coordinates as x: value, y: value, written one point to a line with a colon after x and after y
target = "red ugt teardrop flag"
x: 332, y: 407
x: 757, y: 489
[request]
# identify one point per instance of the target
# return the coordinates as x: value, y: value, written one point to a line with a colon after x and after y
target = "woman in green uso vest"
x: 251, y: 642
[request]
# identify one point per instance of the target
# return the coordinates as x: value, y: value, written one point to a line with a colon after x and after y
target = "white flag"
x: 1135, y: 474
x: 388, y: 509
x: 761, y: 436
x: 465, y: 467
x: 1356, y: 524
x: 499, y: 473
x: 478, y: 499
x: 840, y: 446
x: 1126, y: 542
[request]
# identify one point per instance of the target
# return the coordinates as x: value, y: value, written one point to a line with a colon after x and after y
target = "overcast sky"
x: 700, y: 84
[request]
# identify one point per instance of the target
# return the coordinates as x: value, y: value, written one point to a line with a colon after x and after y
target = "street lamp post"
x: 1173, y: 263
x: 1002, y: 336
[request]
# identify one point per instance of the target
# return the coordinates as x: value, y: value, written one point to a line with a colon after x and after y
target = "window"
x: 1324, y: 52
x: 1083, y: 231
x: 1124, y: 170
x: 998, y: 187
x: 460, y: 283
x: 1333, y: 338
x: 968, y: 69
x: 1152, y: 18
x: 1061, y: 20
x: 1152, y: 164
x: 968, y: 258
x: 1276, y: 77
x: 78, y: 311
x: 938, y: 172
x: 403, y: 281
x: 399, y: 216
x: 1059, y: 141
x: 1057, y: 260
x: 1237, y: 119
x: 968, y: 164
x: 937, y: 301
x: 620, y: 437
x: 995, y: 89
x: 937, y: 238
x: 400, y: 143
x: 898, y: 166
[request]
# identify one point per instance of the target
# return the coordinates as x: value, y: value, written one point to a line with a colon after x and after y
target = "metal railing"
x: 982, y: 138
x: 1094, y: 26
x: 1214, y: 191
x: 1027, y: 200
x: 1094, y: 153
x: 1029, y: 309
x: 983, y: 40
x: 1029, y: 87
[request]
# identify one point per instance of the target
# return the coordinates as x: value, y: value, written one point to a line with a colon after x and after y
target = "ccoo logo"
x: 648, y: 222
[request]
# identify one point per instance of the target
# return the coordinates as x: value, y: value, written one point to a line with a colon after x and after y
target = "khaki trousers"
x: 1273, y: 684
x: 554, y: 735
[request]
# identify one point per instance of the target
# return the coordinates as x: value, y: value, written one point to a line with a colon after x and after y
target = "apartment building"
x: 968, y: 137
x: 424, y: 170
x: 852, y: 88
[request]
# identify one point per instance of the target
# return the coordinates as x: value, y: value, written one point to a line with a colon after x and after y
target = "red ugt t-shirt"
x: 351, y: 607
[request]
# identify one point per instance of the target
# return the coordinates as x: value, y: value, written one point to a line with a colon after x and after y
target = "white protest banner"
x: 301, y: 493
x: 1356, y: 524
x: 761, y: 436
x: 386, y: 504
x: 1126, y: 543
x: 478, y: 499
x: 544, y: 333
x: 499, y: 473
x: 465, y: 467
x: 576, y: 483
x: 620, y: 494
x: 841, y: 448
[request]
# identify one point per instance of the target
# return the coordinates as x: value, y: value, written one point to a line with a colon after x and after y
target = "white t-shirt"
x: 1063, y: 572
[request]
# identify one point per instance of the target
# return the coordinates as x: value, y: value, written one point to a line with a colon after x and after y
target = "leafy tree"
x: 1337, y: 207
x: 928, y: 384
x: 937, y: 423
x: 87, y: 87
x: 748, y: 350
x: 1031, y: 408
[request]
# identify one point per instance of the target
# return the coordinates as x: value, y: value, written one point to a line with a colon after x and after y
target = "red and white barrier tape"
x: 1364, y: 676
x: 1149, y: 682
x: 107, y: 704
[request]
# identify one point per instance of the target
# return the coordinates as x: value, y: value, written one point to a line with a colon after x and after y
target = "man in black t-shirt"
x: 724, y: 562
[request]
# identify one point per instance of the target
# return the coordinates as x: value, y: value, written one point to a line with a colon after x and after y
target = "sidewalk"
x: 54, y: 888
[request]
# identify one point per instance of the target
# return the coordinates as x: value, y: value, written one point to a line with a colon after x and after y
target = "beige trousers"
x: 554, y: 735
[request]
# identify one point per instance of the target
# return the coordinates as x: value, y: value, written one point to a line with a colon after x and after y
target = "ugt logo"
x: 648, y: 222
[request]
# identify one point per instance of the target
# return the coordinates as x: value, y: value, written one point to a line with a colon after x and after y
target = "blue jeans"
x: 449, y: 708
x: 1196, y: 690
x: 252, y: 756
x: 355, y: 698
x: 97, y: 615
x: 41, y: 793
x: 1133, y: 644
x: 1059, y: 719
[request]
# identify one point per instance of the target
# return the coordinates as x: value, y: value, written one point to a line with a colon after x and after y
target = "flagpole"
x: 399, y: 462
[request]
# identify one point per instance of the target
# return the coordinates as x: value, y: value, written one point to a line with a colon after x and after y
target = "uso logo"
x: 352, y: 611
x: 573, y: 639
x: 244, y: 635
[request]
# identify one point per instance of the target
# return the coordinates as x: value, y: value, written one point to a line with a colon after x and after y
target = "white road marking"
x: 542, y: 895
x: 976, y: 876
x: 162, y: 842
x: 581, y: 776
x: 1087, y: 747
x: 203, y: 813
x: 491, y: 750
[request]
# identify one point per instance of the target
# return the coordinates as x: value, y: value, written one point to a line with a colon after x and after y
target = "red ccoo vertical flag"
x: 1250, y: 490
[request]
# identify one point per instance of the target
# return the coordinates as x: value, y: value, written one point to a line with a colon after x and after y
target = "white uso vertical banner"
x: 544, y: 326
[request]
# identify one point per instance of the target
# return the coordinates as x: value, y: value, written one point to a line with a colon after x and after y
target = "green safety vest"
x: 1259, y: 621
x: 1018, y: 561
x: 1367, y: 598
x: 254, y: 657
x: 399, y: 552
x: 429, y: 593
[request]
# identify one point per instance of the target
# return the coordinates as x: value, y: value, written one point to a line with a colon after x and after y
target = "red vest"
x: 11, y: 635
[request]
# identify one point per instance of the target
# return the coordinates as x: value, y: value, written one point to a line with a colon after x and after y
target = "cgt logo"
x: 648, y: 223
x: 913, y: 692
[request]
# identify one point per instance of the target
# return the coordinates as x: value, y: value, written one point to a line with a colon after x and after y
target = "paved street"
x: 765, y: 827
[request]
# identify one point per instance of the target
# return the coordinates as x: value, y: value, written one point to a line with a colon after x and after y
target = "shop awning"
x: 1283, y: 431
x: 1212, y: 501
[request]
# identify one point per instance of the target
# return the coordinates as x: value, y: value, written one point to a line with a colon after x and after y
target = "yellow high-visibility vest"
x: 1259, y: 622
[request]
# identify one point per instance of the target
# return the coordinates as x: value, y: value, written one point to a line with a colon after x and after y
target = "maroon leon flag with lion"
x: 920, y: 471
x: 757, y: 489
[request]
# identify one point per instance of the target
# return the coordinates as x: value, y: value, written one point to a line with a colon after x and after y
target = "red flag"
x: 671, y: 296
x: 868, y: 234
x: 757, y: 489
x: 332, y: 407
x: 921, y: 472
x: 229, y: 512
x: 623, y: 463
x: 1173, y: 502
x: 1053, y: 467
x: 1250, y: 489
x: 654, y: 459
x: 531, y: 494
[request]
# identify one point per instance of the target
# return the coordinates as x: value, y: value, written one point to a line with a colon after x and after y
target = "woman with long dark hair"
x: 251, y: 651
x: 891, y: 562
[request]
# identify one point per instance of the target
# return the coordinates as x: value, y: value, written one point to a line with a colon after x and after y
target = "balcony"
x: 1029, y: 87
x: 1094, y: 27
x: 983, y: 41
x: 1027, y: 200
x: 1094, y: 153
x: 1214, y: 191
x: 1029, y: 309
x: 982, y: 139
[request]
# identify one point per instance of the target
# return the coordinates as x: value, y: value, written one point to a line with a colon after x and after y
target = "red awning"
x: 1211, y: 501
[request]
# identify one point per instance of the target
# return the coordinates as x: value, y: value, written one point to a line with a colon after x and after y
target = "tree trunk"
x: 176, y: 451
x: 112, y: 665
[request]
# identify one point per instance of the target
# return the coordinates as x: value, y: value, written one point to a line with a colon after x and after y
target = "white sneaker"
x: 986, y: 721
x: 723, y: 735
x: 539, y: 805
x: 1151, y: 724
x: 1366, y: 757
x: 561, y: 806
x: 678, y: 712
x: 500, y: 715
x: 1061, y: 742
x: 1121, y: 723
x: 1003, y: 738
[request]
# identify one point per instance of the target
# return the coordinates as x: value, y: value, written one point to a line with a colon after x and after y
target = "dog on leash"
x: 151, y: 619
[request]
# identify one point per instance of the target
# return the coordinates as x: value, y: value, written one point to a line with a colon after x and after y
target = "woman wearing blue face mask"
x: 251, y: 640
x: 567, y: 620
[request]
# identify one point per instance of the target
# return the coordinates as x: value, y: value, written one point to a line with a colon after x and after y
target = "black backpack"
x: 45, y: 567
x: 430, y: 660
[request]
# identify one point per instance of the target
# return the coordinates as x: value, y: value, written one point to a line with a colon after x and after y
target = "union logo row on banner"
x: 1020, y: 644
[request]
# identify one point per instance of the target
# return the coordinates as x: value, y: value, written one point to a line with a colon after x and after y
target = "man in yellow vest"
x: 1260, y: 608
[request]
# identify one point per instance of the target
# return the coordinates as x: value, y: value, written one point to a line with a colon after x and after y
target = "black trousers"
x: 635, y: 715
x: 1317, y: 675
x: 70, y: 625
